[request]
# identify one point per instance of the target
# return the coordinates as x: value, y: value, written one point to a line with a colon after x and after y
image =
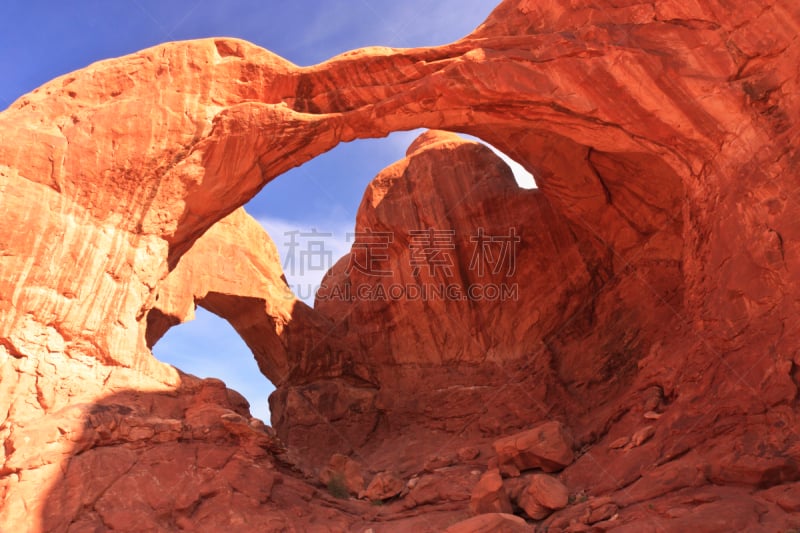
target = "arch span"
x: 224, y: 138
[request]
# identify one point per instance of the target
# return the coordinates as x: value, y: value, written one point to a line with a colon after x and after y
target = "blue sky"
x: 40, y: 40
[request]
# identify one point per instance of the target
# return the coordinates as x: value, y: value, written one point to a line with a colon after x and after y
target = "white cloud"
x: 308, y: 250
x: 401, y: 140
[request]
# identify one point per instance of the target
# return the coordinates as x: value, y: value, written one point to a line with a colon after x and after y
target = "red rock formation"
x: 235, y: 272
x: 657, y: 268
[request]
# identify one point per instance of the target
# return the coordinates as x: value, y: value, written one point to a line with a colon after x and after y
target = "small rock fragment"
x: 641, y: 436
x: 509, y: 470
x: 548, y: 491
x: 619, y: 443
x: 383, y: 486
x: 533, y: 508
x: 547, y: 446
x: 468, y: 453
x: 343, y: 473
x: 489, y: 495
x: 491, y: 523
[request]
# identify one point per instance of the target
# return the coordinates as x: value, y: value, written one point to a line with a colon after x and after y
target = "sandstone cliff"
x: 648, y: 362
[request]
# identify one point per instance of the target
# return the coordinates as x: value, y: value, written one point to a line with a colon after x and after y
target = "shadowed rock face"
x: 656, y: 312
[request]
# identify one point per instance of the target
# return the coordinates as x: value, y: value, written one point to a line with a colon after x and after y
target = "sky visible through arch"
x: 43, y: 39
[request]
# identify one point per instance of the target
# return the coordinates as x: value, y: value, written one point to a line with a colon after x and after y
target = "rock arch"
x: 629, y: 115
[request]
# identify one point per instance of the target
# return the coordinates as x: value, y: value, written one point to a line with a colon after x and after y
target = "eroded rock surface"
x: 656, y: 316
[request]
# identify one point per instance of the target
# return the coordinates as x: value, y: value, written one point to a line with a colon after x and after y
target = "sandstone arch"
x: 636, y: 117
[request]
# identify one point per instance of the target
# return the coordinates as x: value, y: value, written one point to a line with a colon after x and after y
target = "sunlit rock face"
x: 652, y: 309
